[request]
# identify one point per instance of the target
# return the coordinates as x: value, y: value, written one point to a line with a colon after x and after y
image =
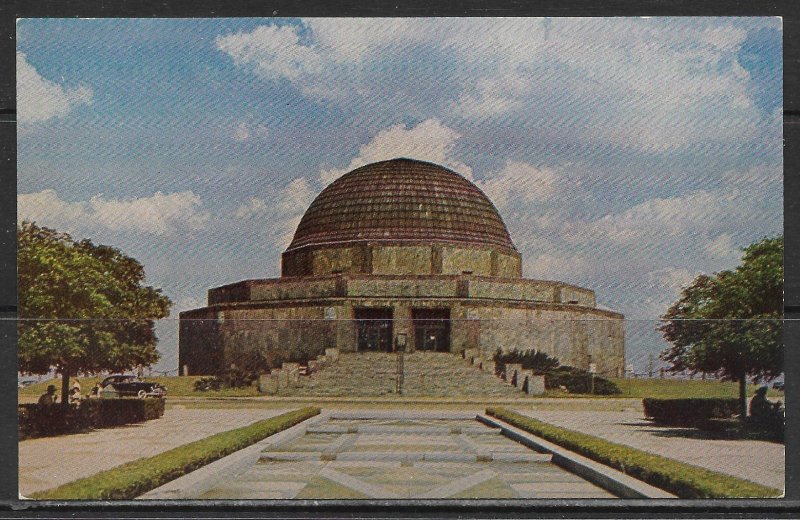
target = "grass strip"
x: 135, y: 478
x: 683, y: 480
x: 183, y: 386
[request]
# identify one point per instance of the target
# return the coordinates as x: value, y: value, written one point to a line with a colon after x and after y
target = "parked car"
x: 777, y: 385
x: 126, y: 385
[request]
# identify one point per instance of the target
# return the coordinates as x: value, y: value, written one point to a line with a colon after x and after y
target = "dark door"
x: 431, y: 329
x: 374, y: 329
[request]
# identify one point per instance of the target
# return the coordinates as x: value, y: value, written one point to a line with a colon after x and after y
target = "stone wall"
x: 408, y: 286
x: 380, y: 258
x: 573, y: 334
x: 200, y: 345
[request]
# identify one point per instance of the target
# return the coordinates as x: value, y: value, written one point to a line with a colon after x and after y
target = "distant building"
x: 400, y: 252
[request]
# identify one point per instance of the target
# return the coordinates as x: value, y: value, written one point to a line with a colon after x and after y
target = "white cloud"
x: 672, y: 278
x: 634, y: 83
x: 39, y: 99
x: 160, y: 214
x: 293, y: 198
x: 296, y: 196
x: 429, y: 140
x: 253, y: 207
x: 241, y: 132
x: 282, y: 211
x: 273, y: 52
x: 496, y: 95
x: 660, y: 219
x: 520, y: 183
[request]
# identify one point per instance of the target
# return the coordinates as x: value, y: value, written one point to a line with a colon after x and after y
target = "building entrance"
x: 374, y: 329
x: 431, y: 329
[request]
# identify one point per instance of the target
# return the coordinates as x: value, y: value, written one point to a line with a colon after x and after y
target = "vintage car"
x: 125, y: 385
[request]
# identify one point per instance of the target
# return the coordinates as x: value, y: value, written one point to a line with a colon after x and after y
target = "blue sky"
x: 626, y: 155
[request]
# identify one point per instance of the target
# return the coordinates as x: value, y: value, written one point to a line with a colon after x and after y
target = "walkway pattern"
x: 403, y: 458
x: 757, y: 461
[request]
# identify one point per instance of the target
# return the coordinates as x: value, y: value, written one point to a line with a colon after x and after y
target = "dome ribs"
x: 402, y: 200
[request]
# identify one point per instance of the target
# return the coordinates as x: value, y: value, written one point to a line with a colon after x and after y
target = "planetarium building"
x: 400, y: 254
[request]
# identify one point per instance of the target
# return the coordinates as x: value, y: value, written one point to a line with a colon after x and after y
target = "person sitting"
x: 75, y: 396
x: 49, y: 397
x: 761, y: 408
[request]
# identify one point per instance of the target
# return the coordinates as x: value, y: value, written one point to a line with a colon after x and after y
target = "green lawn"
x: 674, y: 388
x: 683, y: 480
x: 180, y: 386
x: 177, y: 386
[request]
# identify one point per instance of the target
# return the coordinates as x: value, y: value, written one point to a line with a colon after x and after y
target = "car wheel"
x: 141, y: 394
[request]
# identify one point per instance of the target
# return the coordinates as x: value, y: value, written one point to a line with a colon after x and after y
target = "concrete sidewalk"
x: 51, y: 461
x: 758, y: 461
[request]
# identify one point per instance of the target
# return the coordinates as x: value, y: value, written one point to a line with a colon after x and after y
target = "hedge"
x: 135, y: 478
x: 578, y: 381
x: 689, y: 412
x: 683, y: 480
x: 42, y: 421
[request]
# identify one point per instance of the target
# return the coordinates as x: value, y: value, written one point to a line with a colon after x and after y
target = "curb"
x: 202, y: 479
x: 610, y: 479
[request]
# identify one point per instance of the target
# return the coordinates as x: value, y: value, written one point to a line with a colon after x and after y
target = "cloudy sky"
x: 627, y: 155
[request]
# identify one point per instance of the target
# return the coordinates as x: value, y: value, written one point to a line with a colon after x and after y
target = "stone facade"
x: 271, y: 315
x: 401, y: 259
x: 436, y: 271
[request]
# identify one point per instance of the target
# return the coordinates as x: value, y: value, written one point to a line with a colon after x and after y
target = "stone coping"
x: 366, y: 276
x: 601, y: 475
x: 202, y: 479
x: 202, y: 313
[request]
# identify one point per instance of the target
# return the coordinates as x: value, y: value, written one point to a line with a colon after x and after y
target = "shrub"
x: 130, y: 480
x: 578, y: 381
x: 44, y: 421
x: 530, y: 359
x: 575, y: 380
x: 689, y: 412
x: 204, y: 384
x: 683, y: 480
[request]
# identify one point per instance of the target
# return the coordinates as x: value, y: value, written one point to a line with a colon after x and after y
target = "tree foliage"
x: 730, y: 324
x: 82, y: 307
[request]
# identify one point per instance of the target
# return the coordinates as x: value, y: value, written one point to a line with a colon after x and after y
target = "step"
x: 404, y: 456
x: 403, y: 430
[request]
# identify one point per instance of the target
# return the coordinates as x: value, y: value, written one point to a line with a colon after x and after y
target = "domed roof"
x: 402, y: 200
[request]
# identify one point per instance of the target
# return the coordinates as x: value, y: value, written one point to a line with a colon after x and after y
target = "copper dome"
x: 402, y: 200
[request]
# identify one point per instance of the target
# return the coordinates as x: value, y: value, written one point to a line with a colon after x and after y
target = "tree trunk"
x: 743, y: 396
x: 65, y: 386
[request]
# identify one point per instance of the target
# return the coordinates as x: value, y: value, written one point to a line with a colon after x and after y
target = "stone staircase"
x: 426, y: 374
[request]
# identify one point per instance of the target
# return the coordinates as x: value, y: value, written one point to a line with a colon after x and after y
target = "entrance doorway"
x: 431, y: 329
x: 374, y: 329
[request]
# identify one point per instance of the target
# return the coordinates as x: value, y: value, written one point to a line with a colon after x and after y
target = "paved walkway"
x: 49, y: 462
x: 402, y: 455
x: 758, y: 461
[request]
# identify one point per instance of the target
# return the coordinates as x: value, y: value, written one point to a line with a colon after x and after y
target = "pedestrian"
x: 49, y: 397
x: 75, y: 396
x: 76, y: 384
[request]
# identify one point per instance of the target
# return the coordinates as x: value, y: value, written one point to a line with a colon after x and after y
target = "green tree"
x: 82, y: 307
x: 730, y: 324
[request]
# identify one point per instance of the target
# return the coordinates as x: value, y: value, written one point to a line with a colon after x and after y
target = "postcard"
x: 400, y: 258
